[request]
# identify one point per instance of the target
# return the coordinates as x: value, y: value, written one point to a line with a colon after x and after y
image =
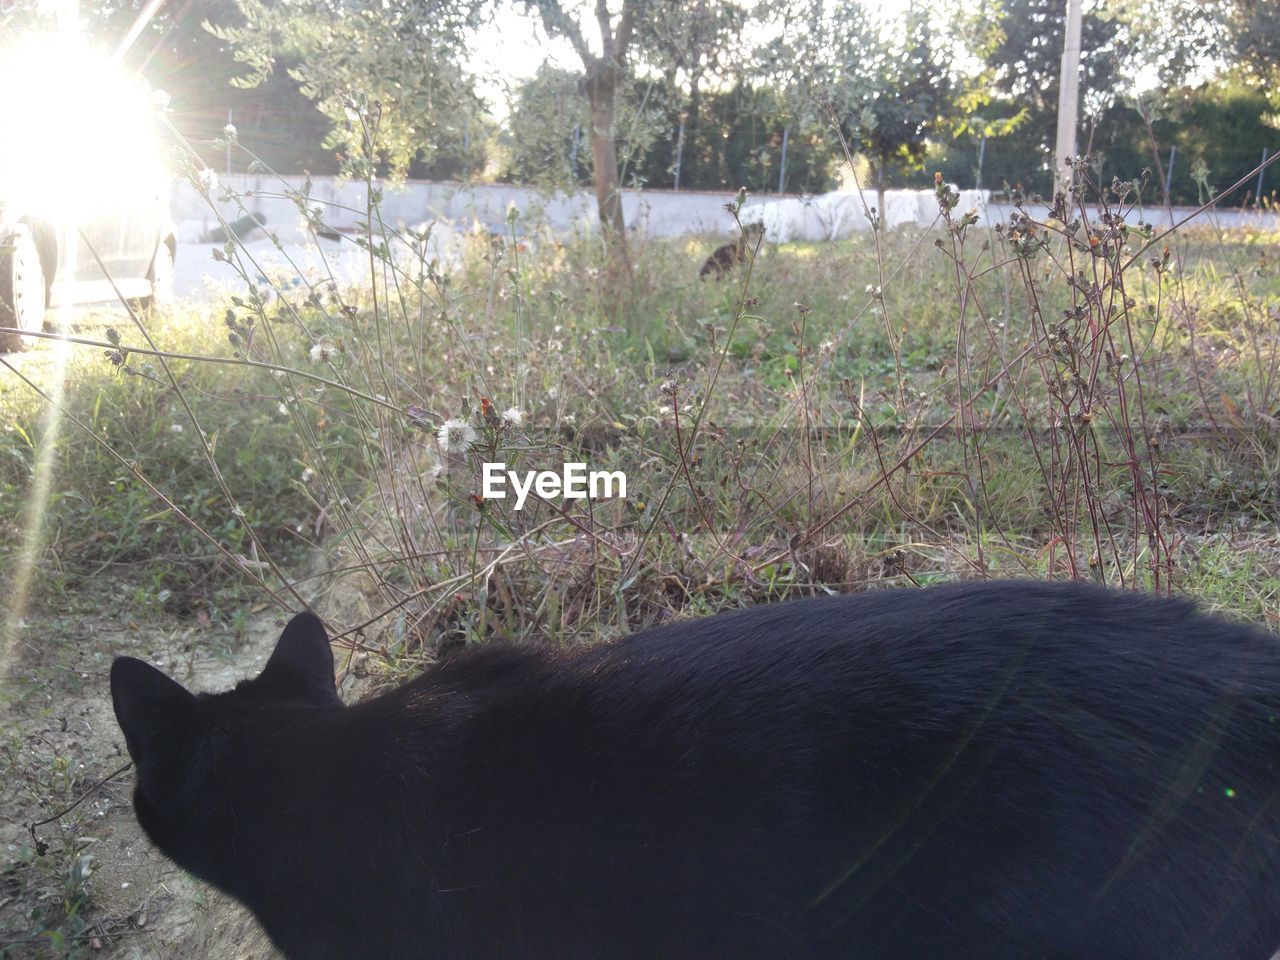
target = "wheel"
x: 23, y: 294
x: 161, y: 277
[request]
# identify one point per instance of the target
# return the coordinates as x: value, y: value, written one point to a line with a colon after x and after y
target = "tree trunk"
x: 600, y: 85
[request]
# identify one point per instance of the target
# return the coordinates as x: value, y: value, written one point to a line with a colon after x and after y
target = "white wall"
x: 660, y: 213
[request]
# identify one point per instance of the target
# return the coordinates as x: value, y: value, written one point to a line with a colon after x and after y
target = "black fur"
x: 240, y: 229
x: 999, y: 771
x: 725, y: 258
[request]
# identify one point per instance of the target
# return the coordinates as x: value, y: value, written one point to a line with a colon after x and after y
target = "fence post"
x: 1257, y: 198
x: 679, y: 154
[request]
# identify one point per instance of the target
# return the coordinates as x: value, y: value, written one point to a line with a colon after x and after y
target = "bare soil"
x: 100, y: 888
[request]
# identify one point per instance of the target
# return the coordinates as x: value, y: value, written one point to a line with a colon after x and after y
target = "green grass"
x: 98, y: 516
x: 844, y: 437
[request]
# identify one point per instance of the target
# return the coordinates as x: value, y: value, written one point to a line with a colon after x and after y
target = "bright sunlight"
x: 88, y: 136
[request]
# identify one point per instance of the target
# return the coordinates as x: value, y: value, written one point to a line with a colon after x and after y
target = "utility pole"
x: 1068, y: 98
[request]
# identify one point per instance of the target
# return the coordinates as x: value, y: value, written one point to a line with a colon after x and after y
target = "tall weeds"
x: 993, y: 402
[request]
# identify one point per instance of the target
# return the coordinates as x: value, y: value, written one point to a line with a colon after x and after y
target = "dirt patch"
x: 100, y: 889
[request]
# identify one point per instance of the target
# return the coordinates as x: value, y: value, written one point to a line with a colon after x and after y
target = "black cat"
x: 240, y: 229
x: 725, y: 258
x: 998, y: 771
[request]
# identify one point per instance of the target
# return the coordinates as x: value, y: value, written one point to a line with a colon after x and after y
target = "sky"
x: 512, y: 47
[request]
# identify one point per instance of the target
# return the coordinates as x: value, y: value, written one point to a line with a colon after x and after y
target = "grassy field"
x: 898, y: 409
x: 999, y: 408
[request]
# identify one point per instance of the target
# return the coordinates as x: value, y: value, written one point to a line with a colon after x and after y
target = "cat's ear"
x: 302, y: 663
x: 152, y: 710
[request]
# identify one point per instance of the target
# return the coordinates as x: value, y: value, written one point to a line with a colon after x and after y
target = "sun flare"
x: 88, y: 136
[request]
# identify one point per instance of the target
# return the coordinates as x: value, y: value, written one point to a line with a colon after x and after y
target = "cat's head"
x: 189, y: 749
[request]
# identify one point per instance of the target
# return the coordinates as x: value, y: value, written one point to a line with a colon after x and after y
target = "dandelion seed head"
x: 456, y: 436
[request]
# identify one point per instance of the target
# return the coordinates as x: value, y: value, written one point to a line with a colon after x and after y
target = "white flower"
x: 208, y: 180
x: 175, y: 428
x: 456, y: 436
x: 229, y: 131
x: 320, y: 352
x: 512, y: 417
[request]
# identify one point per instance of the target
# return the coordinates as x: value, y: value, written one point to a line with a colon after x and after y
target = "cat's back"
x: 826, y: 755
x: 952, y: 640
x: 932, y: 653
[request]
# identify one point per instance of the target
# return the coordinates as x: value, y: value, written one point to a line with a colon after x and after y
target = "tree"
x: 1222, y: 129
x: 1020, y: 45
x: 1174, y: 39
x: 897, y: 95
x: 545, y: 138
x: 396, y: 64
x: 1244, y: 33
x: 601, y: 76
x: 405, y: 55
x: 690, y: 43
x: 1025, y: 61
x: 1254, y: 28
x: 793, y: 64
x: 18, y: 16
x: 606, y: 69
x: 175, y: 54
